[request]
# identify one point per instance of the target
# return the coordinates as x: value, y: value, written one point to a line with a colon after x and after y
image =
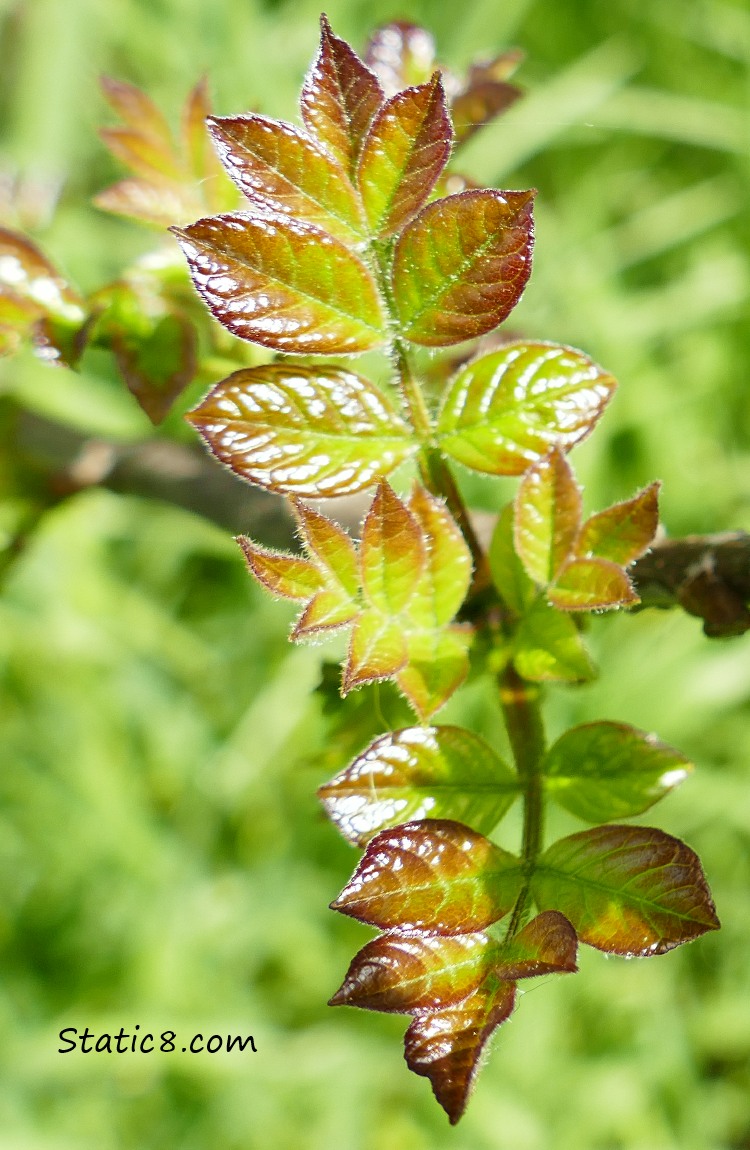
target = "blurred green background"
x: 164, y: 861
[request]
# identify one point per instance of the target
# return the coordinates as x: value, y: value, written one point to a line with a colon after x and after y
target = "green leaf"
x: 461, y: 265
x: 433, y: 875
x: 437, y: 664
x: 277, y: 165
x: 508, y: 575
x: 440, y: 772
x: 623, y: 532
x: 548, y: 646
x: 603, y: 771
x: 447, y: 573
x: 406, y: 149
x: 284, y: 284
x: 377, y: 650
x: 506, y: 410
x: 591, y: 584
x: 392, y: 553
x: 626, y: 890
x: 339, y: 99
x: 401, y: 55
x: 547, y: 517
x: 329, y: 546
x: 158, y: 365
x: 29, y: 279
x: 318, y: 432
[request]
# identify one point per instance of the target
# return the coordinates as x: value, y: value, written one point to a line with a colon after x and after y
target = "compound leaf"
x: 591, y: 584
x: 311, y: 431
x: 602, y: 771
x: 624, y: 531
x: 282, y: 283
x: 440, y: 772
x: 547, y: 517
x: 461, y: 265
x: 432, y: 875
x: 626, y: 890
x: 401, y: 55
x: 504, y: 411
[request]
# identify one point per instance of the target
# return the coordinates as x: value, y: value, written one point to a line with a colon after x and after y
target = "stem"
x: 523, y: 719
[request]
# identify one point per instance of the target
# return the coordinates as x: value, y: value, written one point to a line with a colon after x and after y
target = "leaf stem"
x: 523, y: 720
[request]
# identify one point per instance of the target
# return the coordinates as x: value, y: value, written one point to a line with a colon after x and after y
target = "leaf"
x: 401, y: 55
x: 440, y: 772
x: 437, y: 664
x: 283, y: 284
x: 139, y: 199
x: 546, y: 945
x: 277, y: 166
x: 406, y: 149
x: 433, y: 875
x: 445, y: 1046
x: 591, y: 584
x: 548, y: 646
x: 623, y: 532
x: 202, y: 160
x: 340, y: 97
x: 481, y: 102
x: 516, y: 589
x: 626, y: 890
x: 506, y: 410
x: 329, y: 546
x: 137, y: 110
x: 392, y: 553
x: 447, y: 574
x: 37, y: 303
x: 289, y: 576
x: 461, y: 265
x: 547, y: 517
x: 158, y: 366
x: 377, y: 650
x: 311, y: 431
x: 603, y: 771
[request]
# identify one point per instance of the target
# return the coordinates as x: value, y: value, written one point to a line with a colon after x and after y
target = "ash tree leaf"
x: 548, y: 515
x: 284, y: 284
x: 504, y: 411
x: 626, y: 889
x: 603, y: 771
x: 340, y: 97
x: 401, y: 55
x: 278, y: 166
x: 441, y: 772
x: 461, y: 265
x: 590, y: 584
x: 301, y: 430
x: 406, y: 149
x: 623, y: 532
x: 432, y: 875
x: 548, y: 646
x: 486, y: 94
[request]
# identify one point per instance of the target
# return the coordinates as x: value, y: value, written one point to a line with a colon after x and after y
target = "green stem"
x: 523, y: 719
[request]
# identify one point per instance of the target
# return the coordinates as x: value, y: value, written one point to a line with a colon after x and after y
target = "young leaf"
x: 546, y: 945
x: 591, y: 584
x: 157, y: 365
x: 433, y: 875
x: 443, y: 772
x: 377, y: 650
x: 481, y: 102
x: 603, y: 771
x: 288, y: 576
x: 401, y: 55
x: 37, y: 303
x: 277, y: 165
x: 284, y: 284
x: 339, y: 99
x: 506, y: 410
x: 508, y: 575
x: 329, y: 546
x: 626, y: 890
x: 392, y: 553
x: 406, y: 149
x: 437, y: 664
x: 548, y: 514
x: 448, y: 563
x: 623, y: 532
x: 461, y: 265
x: 310, y: 431
x: 548, y: 646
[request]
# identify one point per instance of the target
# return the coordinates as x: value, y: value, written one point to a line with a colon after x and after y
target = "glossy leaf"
x: 461, y: 265
x: 591, y: 584
x: 433, y: 875
x: 623, y: 532
x: 440, y: 772
x: 283, y: 284
x: 437, y: 664
x: 602, y: 771
x: 626, y: 890
x: 158, y: 365
x: 504, y: 411
x: 446, y: 1045
x: 377, y: 650
x: 392, y: 553
x: 548, y: 514
x: 310, y: 431
x: 548, y: 646
x: 401, y: 55
x: 406, y: 149
x: 546, y: 945
x: 283, y: 168
x: 339, y: 98
x: 516, y: 588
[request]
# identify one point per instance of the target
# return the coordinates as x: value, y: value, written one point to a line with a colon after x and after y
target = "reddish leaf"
x: 310, y: 431
x: 590, y: 585
x: 329, y: 545
x: 377, y: 650
x: 392, y: 553
x: 461, y: 265
x: 147, y: 157
x: 479, y: 104
x: 433, y: 875
x: 406, y: 149
x: 626, y: 890
x: 283, y: 284
x: 401, y: 55
x: 151, y: 203
x: 445, y: 1046
x: 136, y: 110
x: 286, y: 575
x: 623, y: 532
x: 277, y: 165
x: 339, y: 99
x: 547, y: 517
x: 546, y: 945
x: 447, y: 574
